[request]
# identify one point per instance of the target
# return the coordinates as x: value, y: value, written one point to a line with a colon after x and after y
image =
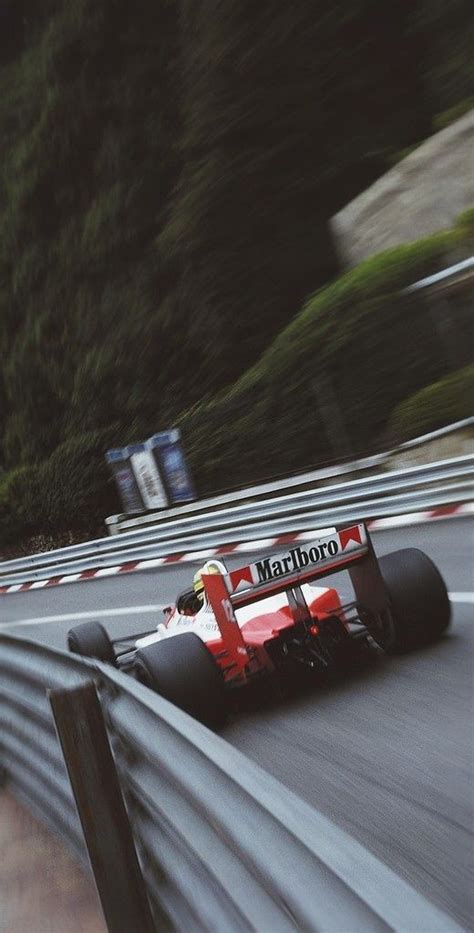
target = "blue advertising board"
x: 119, y: 461
x: 168, y: 452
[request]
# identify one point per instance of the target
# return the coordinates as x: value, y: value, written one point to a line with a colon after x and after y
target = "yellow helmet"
x: 211, y: 566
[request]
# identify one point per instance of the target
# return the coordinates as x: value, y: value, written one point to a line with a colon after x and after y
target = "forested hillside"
x: 167, y: 172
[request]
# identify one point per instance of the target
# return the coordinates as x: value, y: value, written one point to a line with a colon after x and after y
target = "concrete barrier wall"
x: 459, y: 444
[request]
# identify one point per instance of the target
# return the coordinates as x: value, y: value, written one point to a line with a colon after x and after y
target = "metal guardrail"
x: 121, y: 524
x: 222, y: 845
x: 434, y: 435
x: 424, y: 487
x: 453, y: 273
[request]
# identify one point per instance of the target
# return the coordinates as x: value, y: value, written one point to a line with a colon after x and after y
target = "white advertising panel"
x: 149, y: 480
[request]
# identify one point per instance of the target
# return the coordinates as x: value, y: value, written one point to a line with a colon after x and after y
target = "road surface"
x: 387, y: 752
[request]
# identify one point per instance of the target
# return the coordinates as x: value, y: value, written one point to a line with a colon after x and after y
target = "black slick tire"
x: 182, y: 670
x: 418, y: 597
x: 91, y: 640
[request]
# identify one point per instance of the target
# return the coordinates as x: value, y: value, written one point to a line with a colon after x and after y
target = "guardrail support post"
x: 85, y: 744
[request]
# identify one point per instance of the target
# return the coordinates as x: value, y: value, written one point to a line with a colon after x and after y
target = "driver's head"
x: 211, y: 566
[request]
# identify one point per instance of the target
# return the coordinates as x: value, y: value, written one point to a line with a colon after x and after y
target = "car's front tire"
x: 182, y: 670
x: 91, y: 640
x: 420, y: 607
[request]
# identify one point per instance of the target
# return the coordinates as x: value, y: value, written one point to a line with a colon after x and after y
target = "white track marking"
x: 201, y: 555
x: 80, y: 616
x: 144, y: 610
x: 466, y: 509
x: 254, y: 545
x: 461, y: 597
x: 150, y: 564
x: 107, y: 571
x: 396, y: 521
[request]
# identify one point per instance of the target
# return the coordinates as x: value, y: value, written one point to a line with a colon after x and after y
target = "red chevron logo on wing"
x: 243, y: 574
x: 350, y: 534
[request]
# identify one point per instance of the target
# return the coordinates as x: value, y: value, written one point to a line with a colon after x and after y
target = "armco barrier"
x: 222, y: 845
x: 425, y: 487
x: 120, y: 524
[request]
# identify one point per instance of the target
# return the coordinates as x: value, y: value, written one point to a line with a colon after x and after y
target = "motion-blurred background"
x: 169, y: 171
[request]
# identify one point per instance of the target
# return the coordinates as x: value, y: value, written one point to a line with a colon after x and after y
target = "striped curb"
x: 377, y: 524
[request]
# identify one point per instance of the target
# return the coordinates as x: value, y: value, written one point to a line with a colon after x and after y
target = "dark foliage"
x: 443, y: 402
x: 167, y: 174
x: 325, y: 388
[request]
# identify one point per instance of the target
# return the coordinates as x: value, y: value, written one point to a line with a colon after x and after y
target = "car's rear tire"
x: 181, y: 669
x: 91, y: 641
x: 418, y: 597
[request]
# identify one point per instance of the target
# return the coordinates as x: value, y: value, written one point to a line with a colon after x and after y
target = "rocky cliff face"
x: 422, y: 194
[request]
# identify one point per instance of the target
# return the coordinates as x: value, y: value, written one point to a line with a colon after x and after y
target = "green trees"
x: 435, y: 405
x: 89, y: 118
x: 288, y: 111
x: 167, y: 174
x: 326, y: 386
x: 444, y: 33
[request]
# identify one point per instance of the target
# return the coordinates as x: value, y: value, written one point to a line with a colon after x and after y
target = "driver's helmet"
x: 211, y: 566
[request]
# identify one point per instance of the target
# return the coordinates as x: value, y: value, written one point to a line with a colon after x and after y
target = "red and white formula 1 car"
x: 267, y: 617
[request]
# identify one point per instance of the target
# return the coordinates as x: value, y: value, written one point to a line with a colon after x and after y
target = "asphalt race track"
x: 386, y: 752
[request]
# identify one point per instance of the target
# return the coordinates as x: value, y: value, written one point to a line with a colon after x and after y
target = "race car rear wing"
x: 334, y: 550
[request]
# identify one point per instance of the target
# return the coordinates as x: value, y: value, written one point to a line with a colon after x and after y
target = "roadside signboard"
x: 152, y: 475
x: 118, y: 460
x: 148, y: 477
x: 169, y: 455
